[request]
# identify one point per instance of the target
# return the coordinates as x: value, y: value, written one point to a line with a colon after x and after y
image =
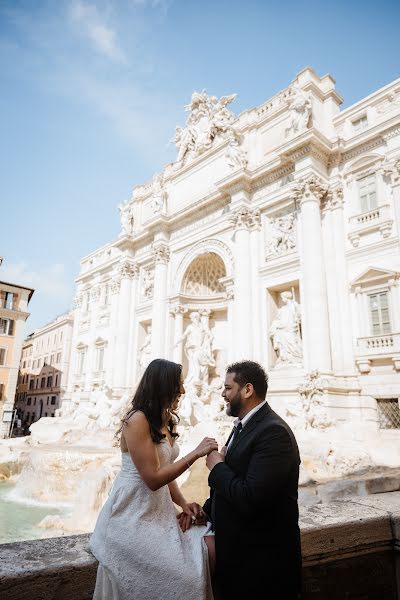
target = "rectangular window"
x: 379, y: 313
x: 58, y: 359
x: 3, y: 356
x: 360, y: 124
x: 6, y: 327
x: 100, y: 359
x: 56, y: 381
x: 52, y: 359
x: 367, y: 193
x: 29, y: 401
x: 8, y: 300
x: 1, y: 390
x: 53, y: 400
x: 49, y: 381
x: 43, y: 382
x: 31, y: 384
x: 81, y: 363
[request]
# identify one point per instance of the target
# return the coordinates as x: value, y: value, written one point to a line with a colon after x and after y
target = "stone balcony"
x: 378, y: 219
x: 377, y: 347
x: 350, y: 548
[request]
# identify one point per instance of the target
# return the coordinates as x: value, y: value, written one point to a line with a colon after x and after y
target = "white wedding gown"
x: 142, y: 552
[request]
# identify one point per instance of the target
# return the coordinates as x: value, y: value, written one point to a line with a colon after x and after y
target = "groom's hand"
x: 214, y: 458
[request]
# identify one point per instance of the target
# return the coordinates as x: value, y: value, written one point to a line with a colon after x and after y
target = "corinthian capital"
x: 333, y: 198
x: 160, y: 253
x: 310, y: 188
x: 246, y: 218
x: 178, y: 310
x: 128, y: 268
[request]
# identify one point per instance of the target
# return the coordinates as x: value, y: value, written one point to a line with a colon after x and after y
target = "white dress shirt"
x: 246, y: 418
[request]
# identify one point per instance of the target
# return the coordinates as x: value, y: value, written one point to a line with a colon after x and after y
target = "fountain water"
x: 68, y: 463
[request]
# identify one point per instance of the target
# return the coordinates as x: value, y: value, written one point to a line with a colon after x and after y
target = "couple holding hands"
x: 245, y: 540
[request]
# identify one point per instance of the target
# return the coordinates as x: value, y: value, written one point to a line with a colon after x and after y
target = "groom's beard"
x: 234, y: 406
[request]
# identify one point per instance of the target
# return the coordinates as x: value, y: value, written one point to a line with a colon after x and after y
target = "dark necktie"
x: 236, y: 432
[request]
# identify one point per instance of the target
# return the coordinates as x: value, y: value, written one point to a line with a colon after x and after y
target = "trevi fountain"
x: 273, y: 236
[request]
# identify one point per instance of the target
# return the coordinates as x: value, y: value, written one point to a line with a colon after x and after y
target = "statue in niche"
x: 126, y: 216
x: 148, y: 283
x: 299, y: 104
x: 282, y: 234
x: 285, y: 331
x: 198, y: 342
x: 159, y: 195
x: 235, y: 155
x: 145, y: 348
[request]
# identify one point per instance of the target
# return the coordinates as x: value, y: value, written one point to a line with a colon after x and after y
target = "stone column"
x: 127, y: 271
x: 308, y: 194
x: 159, y: 315
x: 338, y: 300
x: 230, y: 297
x: 178, y: 312
x: 244, y: 220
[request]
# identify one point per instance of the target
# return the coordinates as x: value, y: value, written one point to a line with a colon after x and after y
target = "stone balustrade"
x: 351, y: 549
x: 379, y: 344
x: 380, y: 218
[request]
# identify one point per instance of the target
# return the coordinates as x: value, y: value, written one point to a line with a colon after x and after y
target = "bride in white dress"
x: 144, y: 551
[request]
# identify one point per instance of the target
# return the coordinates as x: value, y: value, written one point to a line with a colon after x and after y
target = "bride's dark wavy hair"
x: 155, y: 394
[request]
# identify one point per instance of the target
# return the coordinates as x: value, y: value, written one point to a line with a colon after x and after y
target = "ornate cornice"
x: 246, y: 218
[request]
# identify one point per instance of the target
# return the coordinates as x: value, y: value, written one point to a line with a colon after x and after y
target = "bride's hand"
x: 206, y: 446
x: 193, y: 509
x: 185, y: 521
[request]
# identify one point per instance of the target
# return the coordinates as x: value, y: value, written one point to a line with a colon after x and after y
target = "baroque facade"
x: 274, y: 236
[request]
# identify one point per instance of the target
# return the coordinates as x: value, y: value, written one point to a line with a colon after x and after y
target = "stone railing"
x: 375, y: 347
x: 351, y: 549
x: 379, y: 218
x: 378, y: 345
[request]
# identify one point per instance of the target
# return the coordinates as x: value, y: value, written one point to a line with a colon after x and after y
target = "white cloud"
x: 53, y: 290
x: 50, y: 281
x: 103, y: 37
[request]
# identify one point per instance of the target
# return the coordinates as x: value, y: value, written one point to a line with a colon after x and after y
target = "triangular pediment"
x: 373, y: 275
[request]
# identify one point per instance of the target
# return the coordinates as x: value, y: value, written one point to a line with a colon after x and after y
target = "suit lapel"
x: 248, y: 428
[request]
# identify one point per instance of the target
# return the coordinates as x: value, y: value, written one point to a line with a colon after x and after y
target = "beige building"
x: 43, y: 370
x: 14, y: 300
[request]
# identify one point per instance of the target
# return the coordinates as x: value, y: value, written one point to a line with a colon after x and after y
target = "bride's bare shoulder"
x: 137, y: 421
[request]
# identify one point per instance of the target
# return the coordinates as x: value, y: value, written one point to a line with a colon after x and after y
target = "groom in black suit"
x: 253, y: 501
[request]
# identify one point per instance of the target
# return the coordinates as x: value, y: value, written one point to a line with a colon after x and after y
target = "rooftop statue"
x: 209, y: 118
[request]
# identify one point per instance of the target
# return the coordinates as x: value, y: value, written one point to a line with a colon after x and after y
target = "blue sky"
x: 91, y: 91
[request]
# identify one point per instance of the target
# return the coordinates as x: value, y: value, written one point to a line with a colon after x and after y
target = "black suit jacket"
x: 254, y: 510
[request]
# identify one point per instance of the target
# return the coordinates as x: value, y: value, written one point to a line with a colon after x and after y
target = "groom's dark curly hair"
x: 155, y: 394
x: 248, y: 371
